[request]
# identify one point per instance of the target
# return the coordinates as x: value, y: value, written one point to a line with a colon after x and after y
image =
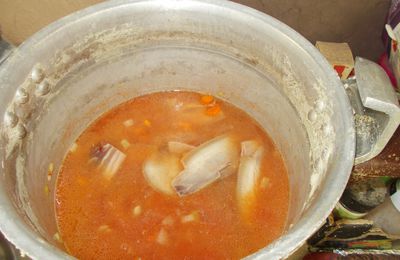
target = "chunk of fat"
x: 128, y: 123
x: 194, y: 216
x: 160, y: 169
x: 137, y: 210
x: 206, y: 164
x: 125, y: 144
x: 248, y: 176
x: 162, y: 237
x: 179, y: 147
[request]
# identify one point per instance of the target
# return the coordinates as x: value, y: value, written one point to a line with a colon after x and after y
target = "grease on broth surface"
x: 109, y: 206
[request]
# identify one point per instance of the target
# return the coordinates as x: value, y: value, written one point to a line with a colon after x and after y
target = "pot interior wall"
x: 100, y: 87
x: 142, y: 48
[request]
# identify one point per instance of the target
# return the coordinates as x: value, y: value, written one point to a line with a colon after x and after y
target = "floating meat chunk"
x: 248, y: 175
x: 206, y: 164
x: 160, y: 169
x: 162, y: 237
x: 108, y: 159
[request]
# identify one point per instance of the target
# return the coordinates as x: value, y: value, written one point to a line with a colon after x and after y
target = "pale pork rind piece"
x: 160, y: 169
x: 206, y: 164
x: 248, y: 176
x: 108, y: 159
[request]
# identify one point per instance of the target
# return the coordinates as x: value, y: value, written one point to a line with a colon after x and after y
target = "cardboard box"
x: 339, y: 56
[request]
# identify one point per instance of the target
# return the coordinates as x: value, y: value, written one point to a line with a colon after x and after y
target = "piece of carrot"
x: 147, y: 123
x: 206, y: 99
x: 214, y: 110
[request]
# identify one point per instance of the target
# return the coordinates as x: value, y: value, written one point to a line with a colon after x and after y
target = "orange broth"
x: 121, y: 217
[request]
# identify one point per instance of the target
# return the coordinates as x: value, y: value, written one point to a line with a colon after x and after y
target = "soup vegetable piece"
x: 171, y: 175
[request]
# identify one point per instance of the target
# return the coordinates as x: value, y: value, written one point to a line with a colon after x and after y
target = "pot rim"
x: 37, y: 248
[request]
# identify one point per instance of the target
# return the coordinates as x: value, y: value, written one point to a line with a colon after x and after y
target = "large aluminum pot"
x: 69, y: 73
